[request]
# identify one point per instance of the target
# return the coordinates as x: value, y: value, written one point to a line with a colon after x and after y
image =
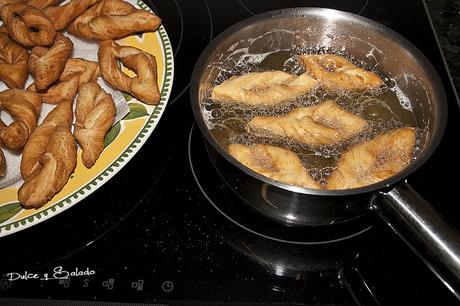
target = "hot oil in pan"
x: 385, y: 109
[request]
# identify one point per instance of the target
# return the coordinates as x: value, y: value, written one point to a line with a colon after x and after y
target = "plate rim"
x: 123, y: 158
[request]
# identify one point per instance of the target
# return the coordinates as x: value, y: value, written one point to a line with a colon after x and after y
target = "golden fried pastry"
x: 47, y: 64
x: 263, y: 88
x: 95, y: 113
x: 40, y: 4
x: 2, y: 2
x: 2, y: 163
x: 63, y: 15
x: 273, y: 162
x: 49, y: 158
x: 338, y: 73
x: 27, y: 25
x: 144, y: 86
x: 374, y: 160
x: 112, y: 19
x: 25, y: 109
x: 76, y: 72
x: 326, y: 123
x: 13, y: 62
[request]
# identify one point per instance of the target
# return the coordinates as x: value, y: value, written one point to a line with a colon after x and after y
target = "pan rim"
x: 439, y: 95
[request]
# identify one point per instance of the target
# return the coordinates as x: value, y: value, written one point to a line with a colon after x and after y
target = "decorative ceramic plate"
x: 122, y: 142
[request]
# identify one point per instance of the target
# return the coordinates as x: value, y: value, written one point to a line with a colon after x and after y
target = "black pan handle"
x: 424, y: 230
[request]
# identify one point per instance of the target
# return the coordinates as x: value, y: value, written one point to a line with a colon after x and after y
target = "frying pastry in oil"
x: 374, y: 160
x: 326, y: 123
x: 336, y: 72
x: 263, y: 88
x: 273, y: 162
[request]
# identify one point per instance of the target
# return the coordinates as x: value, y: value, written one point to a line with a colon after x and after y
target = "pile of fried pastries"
x: 326, y: 123
x: 33, y: 41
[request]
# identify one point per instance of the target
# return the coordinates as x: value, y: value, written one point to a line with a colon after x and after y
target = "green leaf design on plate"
x: 136, y: 110
x: 140, y: 35
x: 8, y: 211
x: 112, y: 134
x: 127, y: 97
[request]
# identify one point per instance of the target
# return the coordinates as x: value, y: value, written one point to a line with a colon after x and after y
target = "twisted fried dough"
x: 63, y: 15
x: 112, y: 19
x: 24, y: 107
x: 2, y: 163
x: 95, y: 113
x: 49, y: 158
x: 374, y: 160
x: 13, y: 62
x: 76, y: 72
x: 144, y: 86
x: 27, y: 25
x: 47, y: 64
x: 40, y: 4
x: 337, y: 72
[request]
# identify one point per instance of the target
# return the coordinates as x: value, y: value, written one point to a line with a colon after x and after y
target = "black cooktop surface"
x: 155, y: 233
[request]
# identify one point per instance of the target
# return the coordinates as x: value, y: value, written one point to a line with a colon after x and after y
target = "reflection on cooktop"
x: 190, y: 29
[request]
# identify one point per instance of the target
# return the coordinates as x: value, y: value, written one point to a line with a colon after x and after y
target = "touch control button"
x: 167, y: 286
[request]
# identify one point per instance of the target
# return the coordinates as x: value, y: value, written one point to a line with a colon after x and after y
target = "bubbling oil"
x: 385, y: 109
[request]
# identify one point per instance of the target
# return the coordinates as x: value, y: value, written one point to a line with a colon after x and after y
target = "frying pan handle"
x: 424, y: 230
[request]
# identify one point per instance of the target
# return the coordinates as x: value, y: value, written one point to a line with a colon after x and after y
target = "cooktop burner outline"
x: 177, y: 48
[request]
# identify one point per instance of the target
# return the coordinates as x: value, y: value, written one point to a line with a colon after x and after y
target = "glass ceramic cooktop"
x: 165, y: 230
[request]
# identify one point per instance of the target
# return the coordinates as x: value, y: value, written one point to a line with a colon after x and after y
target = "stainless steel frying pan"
x: 413, y: 218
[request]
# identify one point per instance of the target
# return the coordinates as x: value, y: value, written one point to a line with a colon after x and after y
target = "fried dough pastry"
x: 27, y: 25
x: 25, y: 108
x: 273, y: 162
x: 49, y: 158
x: 76, y: 72
x: 263, y: 88
x: 95, y: 113
x: 338, y: 73
x: 374, y: 160
x: 47, y: 64
x: 63, y: 15
x: 40, y: 4
x: 326, y: 123
x: 13, y: 62
x: 143, y: 86
x: 2, y: 163
x: 113, y: 19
